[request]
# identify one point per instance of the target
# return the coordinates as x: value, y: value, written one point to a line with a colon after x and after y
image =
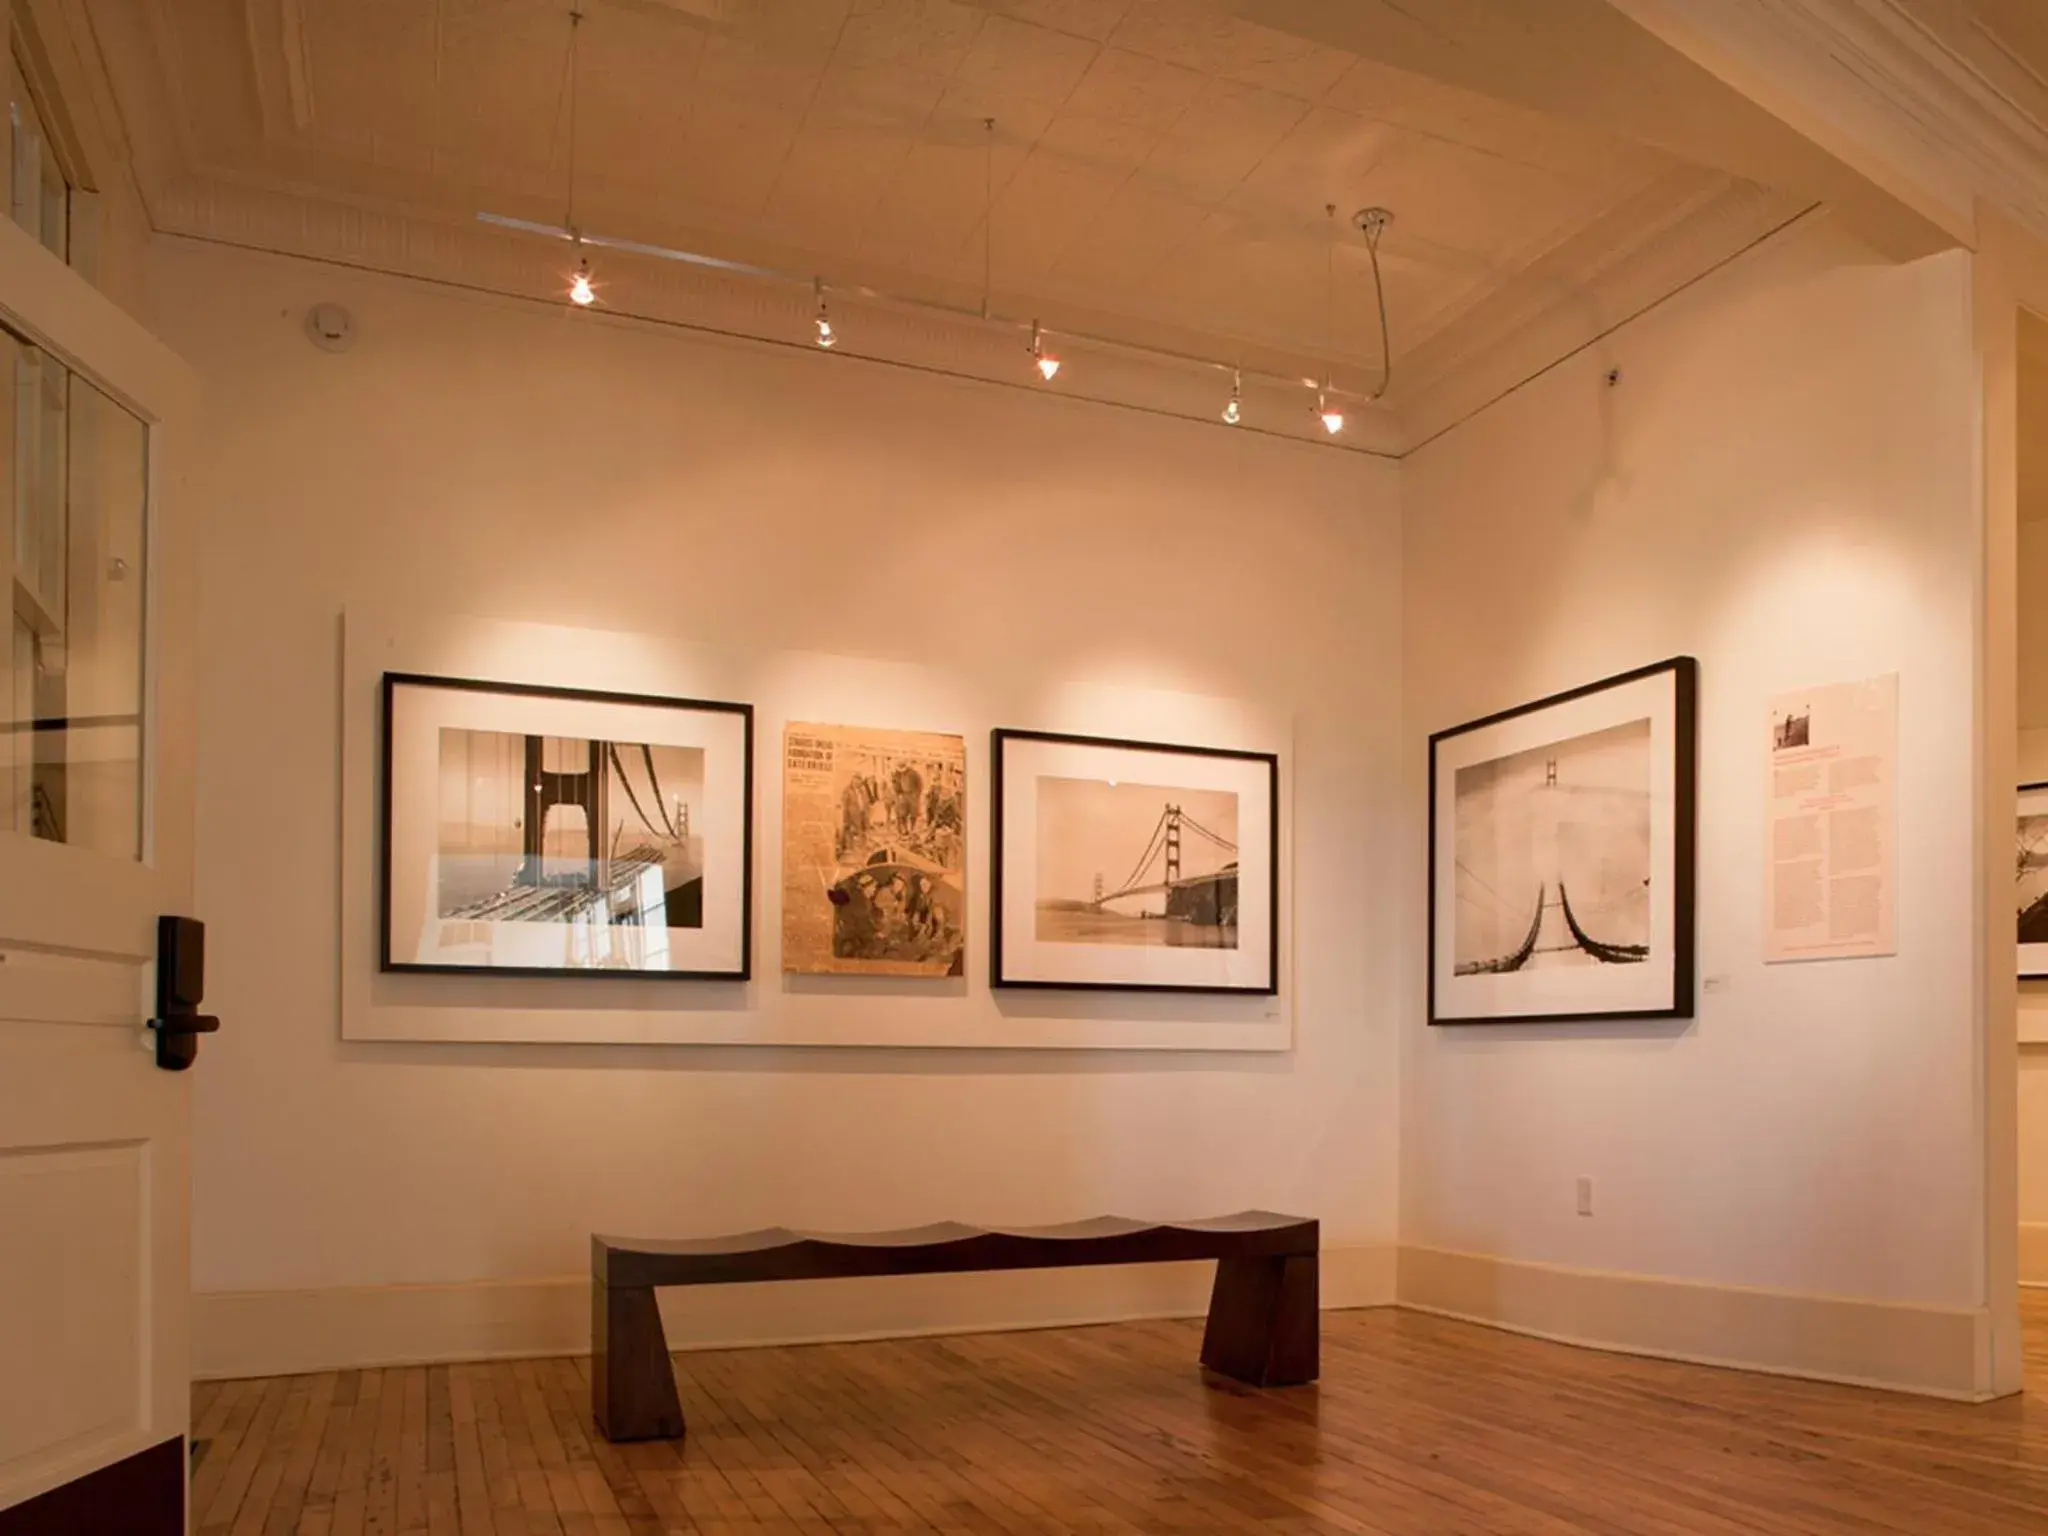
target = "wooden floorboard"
x: 1419, y: 1425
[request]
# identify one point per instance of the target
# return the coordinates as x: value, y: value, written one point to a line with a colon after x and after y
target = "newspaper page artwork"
x: 1834, y: 756
x: 874, y: 852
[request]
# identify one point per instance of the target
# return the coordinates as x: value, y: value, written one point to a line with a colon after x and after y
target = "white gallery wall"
x: 1780, y: 480
x: 357, y: 1201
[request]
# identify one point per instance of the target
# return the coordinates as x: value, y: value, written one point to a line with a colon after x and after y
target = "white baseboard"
x: 1928, y: 1350
x: 282, y: 1333
x: 2034, y: 1253
x: 1917, y: 1349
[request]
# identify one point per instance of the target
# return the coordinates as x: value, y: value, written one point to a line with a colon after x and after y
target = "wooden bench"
x: 1262, y: 1329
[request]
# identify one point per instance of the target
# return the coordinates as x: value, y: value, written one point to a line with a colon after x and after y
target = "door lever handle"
x: 180, y: 984
x: 177, y: 1038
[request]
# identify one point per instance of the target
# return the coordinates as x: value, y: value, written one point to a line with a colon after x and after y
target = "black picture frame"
x: 2023, y: 974
x: 998, y: 976
x: 393, y: 681
x: 1684, y: 853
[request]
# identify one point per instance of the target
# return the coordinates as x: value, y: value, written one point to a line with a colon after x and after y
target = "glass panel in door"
x: 71, y: 768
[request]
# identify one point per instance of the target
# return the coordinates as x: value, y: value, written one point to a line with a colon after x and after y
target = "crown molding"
x: 1921, y: 96
x: 1663, y: 240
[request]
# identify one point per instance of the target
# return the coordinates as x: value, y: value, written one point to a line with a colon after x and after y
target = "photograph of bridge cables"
x: 540, y: 831
x: 1129, y: 864
x: 1561, y: 856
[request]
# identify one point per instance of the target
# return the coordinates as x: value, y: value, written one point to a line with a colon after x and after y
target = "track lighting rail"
x: 1033, y: 333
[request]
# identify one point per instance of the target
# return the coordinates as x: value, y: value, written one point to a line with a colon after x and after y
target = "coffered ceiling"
x: 1158, y: 170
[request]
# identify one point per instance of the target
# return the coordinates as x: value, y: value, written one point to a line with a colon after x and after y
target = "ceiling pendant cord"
x: 988, y: 213
x: 569, y: 83
x: 1372, y: 223
x: 1329, y: 282
x: 434, y: 128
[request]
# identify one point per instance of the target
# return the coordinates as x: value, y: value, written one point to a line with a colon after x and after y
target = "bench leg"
x: 632, y: 1380
x: 1264, y: 1326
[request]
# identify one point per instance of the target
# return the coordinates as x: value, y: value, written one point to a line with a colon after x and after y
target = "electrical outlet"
x: 1585, y: 1197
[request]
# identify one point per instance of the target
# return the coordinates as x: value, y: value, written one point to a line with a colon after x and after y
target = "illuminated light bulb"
x: 582, y: 292
x: 1048, y: 364
x: 1333, y: 418
x: 1233, y: 413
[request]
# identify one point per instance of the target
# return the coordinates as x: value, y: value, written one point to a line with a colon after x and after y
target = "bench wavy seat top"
x: 779, y: 1253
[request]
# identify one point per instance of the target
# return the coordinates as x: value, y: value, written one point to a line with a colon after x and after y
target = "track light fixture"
x: 582, y: 291
x: 827, y: 337
x: 1048, y: 364
x: 1333, y: 416
x: 1233, y: 413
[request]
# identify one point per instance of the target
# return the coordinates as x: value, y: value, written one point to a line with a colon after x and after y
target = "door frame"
x: 2010, y: 277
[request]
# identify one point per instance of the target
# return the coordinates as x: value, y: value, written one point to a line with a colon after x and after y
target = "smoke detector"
x: 330, y: 327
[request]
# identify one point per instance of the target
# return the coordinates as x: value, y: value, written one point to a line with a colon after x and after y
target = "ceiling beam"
x: 1587, y: 61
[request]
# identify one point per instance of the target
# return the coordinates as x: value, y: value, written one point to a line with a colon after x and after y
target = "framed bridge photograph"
x: 2030, y: 864
x: 1134, y: 866
x: 1561, y: 855
x: 533, y: 831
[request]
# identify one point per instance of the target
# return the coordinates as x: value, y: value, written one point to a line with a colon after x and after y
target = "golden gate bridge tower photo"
x: 1180, y: 887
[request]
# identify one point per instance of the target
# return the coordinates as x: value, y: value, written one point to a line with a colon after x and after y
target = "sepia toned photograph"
x: 1553, y: 855
x: 874, y: 852
x: 2030, y: 889
x: 1562, y: 855
x: 1136, y: 864
x: 542, y: 831
x: 1791, y: 730
x: 554, y: 829
x: 2033, y: 879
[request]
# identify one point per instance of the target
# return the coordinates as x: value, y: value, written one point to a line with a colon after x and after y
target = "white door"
x: 95, y: 843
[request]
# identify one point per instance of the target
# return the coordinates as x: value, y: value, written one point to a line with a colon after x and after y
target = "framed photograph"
x: 874, y: 852
x: 1561, y: 855
x: 561, y: 832
x: 2031, y: 873
x: 1134, y: 866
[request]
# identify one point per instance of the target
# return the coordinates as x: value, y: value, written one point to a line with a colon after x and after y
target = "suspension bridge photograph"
x: 1136, y: 864
x: 2031, y: 862
x: 1553, y: 855
x: 554, y: 829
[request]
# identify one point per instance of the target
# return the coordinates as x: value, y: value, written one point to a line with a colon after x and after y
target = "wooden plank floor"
x: 1419, y: 1425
